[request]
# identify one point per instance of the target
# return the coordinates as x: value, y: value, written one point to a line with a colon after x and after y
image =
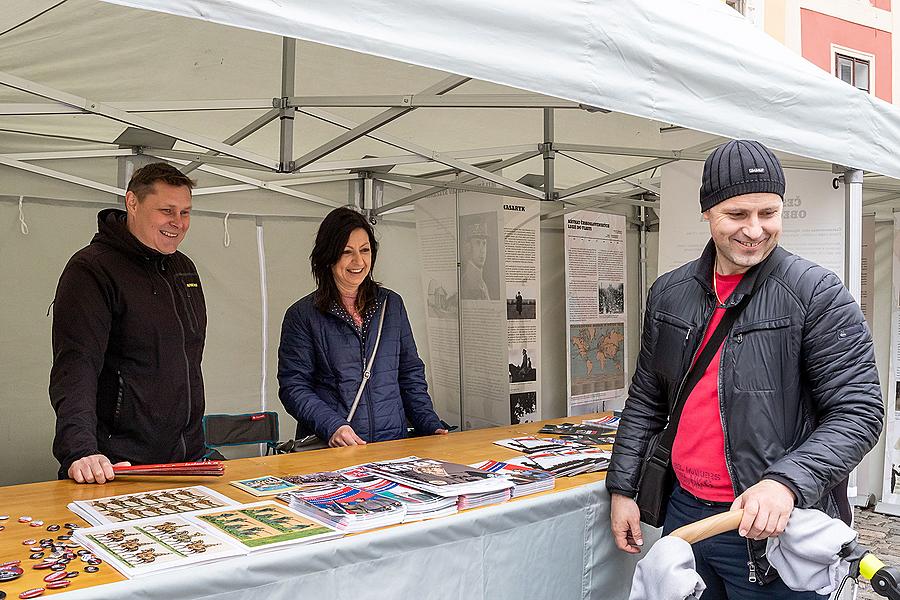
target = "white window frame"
x: 858, y: 54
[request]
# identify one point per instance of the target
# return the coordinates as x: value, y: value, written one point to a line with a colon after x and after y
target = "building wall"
x: 820, y: 33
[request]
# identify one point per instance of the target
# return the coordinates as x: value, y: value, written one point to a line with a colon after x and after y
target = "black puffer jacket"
x: 798, y: 389
x: 129, y: 326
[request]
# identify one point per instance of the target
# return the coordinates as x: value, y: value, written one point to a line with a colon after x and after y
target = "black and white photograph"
x: 521, y: 301
x: 520, y: 364
x: 611, y: 298
x: 522, y: 408
x: 479, y: 257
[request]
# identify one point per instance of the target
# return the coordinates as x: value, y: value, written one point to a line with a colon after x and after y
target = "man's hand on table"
x: 95, y: 468
x: 440, y: 432
x: 625, y: 522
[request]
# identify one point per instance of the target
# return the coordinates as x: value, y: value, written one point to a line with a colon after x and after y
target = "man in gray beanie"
x: 775, y: 413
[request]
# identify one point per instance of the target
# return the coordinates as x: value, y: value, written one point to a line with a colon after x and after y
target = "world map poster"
x: 596, y: 311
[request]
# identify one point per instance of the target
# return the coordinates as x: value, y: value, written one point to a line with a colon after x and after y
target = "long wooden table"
x: 47, y: 500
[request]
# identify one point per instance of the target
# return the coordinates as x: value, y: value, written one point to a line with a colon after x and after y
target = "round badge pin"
x: 24, y: 519
x: 2, y: 595
x: 36, y: 556
x: 4, y: 517
x: 37, y: 523
x: 32, y: 593
x: 2, y: 527
x: 91, y: 569
x: 95, y: 561
x: 58, y: 567
x: 71, y: 574
x: 29, y: 542
x: 53, y: 528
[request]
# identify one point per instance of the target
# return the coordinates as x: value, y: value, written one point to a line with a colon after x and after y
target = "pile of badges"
x: 51, y: 554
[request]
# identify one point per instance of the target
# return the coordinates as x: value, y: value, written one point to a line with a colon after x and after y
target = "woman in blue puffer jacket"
x: 328, y: 337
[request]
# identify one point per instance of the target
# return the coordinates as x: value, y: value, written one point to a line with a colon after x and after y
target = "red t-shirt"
x: 698, y: 454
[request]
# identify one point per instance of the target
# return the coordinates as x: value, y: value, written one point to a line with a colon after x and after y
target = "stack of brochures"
x: 610, y: 422
x: 346, y: 508
x: 565, y: 463
x: 530, y: 444
x: 439, y: 477
x: 525, y: 479
x: 419, y: 504
x: 467, y: 501
x: 154, y: 503
x: 586, y: 434
x: 152, y: 545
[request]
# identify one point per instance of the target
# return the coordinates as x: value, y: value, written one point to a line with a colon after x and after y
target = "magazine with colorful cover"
x: 529, y: 444
x: 142, y: 505
x: 439, y: 477
x: 267, y: 485
x: 151, y: 545
x: 348, y: 508
x: 264, y: 525
x: 526, y: 479
x: 587, y: 434
x: 419, y: 504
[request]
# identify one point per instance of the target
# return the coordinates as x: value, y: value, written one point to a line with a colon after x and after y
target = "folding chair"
x: 236, y: 430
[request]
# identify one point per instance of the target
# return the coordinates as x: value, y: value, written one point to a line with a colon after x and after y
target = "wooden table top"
x: 47, y: 501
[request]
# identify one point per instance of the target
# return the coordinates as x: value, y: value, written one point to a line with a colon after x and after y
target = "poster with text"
x: 522, y: 276
x: 436, y: 230
x: 890, y: 497
x: 813, y: 217
x: 595, y: 311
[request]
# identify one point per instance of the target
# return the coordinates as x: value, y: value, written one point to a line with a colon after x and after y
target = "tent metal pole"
x: 634, y: 170
x: 462, y: 179
x: 237, y: 136
x: 642, y: 217
x: 424, y: 100
x: 357, y: 131
x: 853, y: 182
x: 452, y: 185
x: 285, y: 113
x: 549, y: 155
x: 48, y: 108
x: 94, y: 185
x: 65, y: 154
x: 426, y: 153
x: 115, y: 114
x: 651, y: 185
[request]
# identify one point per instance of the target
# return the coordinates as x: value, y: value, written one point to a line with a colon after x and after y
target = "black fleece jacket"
x: 129, y: 325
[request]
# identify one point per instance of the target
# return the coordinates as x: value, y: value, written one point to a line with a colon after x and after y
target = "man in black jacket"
x: 786, y: 408
x: 129, y: 325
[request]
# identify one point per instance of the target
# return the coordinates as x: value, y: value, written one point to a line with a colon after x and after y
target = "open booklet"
x: 156, y: 544
x: 439, y: 477
x: 155, y: 503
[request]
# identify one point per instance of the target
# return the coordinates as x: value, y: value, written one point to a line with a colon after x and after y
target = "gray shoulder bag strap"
x: 368, y: 371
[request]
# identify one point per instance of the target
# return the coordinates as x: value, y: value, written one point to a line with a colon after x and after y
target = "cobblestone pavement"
x: 881, y: 534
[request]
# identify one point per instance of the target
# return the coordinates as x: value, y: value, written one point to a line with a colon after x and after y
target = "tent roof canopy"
x: 335, y: 114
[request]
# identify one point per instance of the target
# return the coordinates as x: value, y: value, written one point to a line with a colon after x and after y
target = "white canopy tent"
x: 587, y: 99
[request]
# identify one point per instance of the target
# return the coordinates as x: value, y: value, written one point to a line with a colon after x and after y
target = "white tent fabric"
x: 694, y: 63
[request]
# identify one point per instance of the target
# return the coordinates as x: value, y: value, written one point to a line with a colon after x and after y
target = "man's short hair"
x: 144, y: 178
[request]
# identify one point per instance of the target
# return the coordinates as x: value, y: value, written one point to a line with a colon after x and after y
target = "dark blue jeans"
x: 722, y: 560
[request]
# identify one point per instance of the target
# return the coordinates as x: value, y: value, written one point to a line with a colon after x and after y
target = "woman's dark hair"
x: 331, y: 240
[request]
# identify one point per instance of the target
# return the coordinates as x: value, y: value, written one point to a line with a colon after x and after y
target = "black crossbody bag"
x: 657, y: 477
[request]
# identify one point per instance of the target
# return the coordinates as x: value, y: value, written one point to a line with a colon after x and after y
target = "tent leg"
x: 549, y: 154
x: 128, y: 165
x: 286, y: 113
x: 853, y: 180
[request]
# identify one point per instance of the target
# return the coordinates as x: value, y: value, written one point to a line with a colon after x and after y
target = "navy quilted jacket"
x: 320, y: 367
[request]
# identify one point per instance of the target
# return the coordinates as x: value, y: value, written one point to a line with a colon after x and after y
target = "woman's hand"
x: 345, y: 436
x: 441, y: 432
